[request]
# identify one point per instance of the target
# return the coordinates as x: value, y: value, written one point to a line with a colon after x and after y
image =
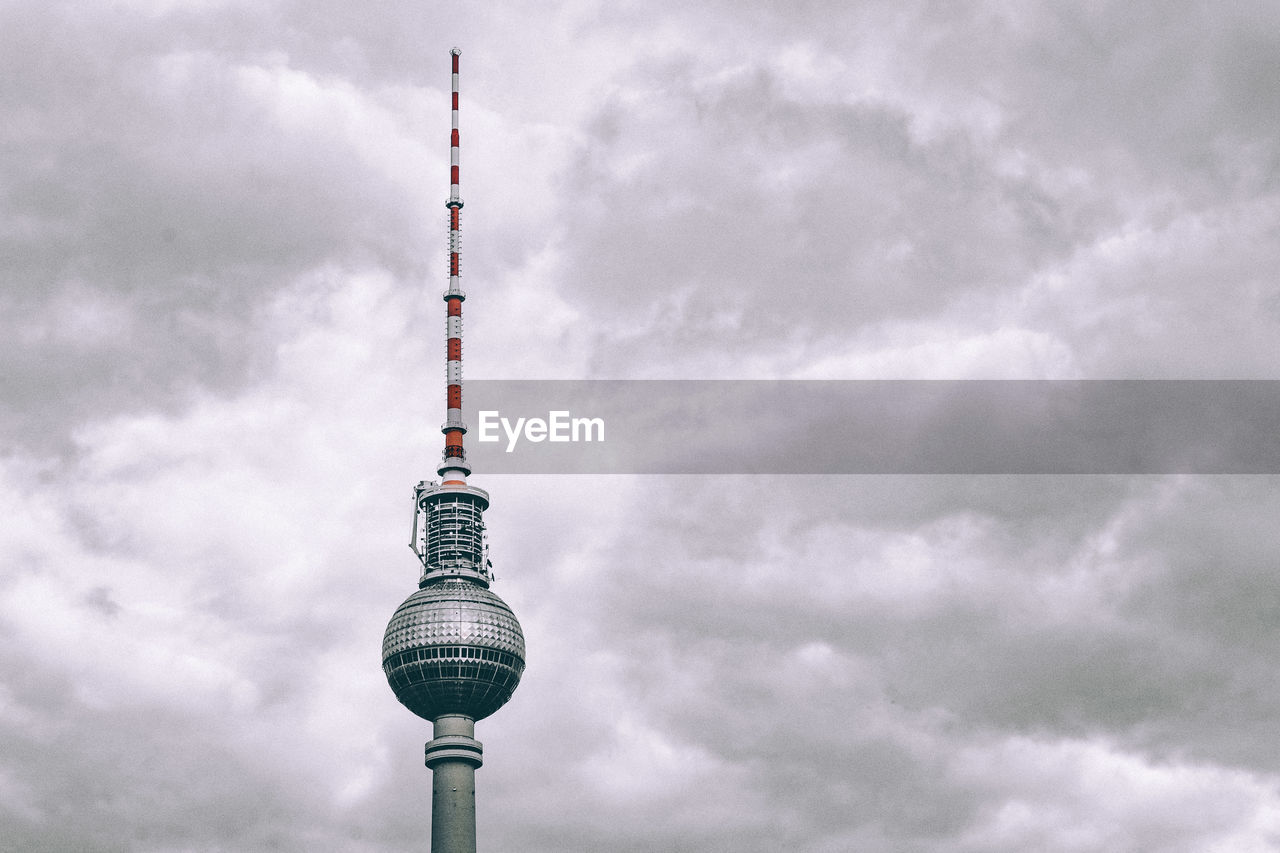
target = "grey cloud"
x: 711, y: 636
x: 155, y: 204
x: 775, y: 220
x: 870, y: 224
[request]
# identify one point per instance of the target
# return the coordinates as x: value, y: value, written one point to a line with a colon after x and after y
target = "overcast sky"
x: 222, y: 248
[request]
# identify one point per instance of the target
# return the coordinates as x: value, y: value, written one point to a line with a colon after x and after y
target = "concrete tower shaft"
x: 453, y: 756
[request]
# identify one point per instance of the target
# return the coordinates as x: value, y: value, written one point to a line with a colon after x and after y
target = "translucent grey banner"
x: 873, y: 427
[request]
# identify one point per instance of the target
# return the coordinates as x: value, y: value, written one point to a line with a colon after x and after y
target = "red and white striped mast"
x: 454, y: 469
x: 448, y: 524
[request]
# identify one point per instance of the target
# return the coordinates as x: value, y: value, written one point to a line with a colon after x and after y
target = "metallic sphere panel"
x: 453, y: 647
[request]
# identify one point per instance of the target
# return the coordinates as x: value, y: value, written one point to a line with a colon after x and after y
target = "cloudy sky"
x: 222, y: 242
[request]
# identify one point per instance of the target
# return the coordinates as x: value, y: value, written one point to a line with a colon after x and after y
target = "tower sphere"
x: 453, y: 647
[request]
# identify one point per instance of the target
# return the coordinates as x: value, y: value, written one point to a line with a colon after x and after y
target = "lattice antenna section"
x: 448, y: 532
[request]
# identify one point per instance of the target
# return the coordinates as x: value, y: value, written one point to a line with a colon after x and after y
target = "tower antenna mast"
x: 454, y: 469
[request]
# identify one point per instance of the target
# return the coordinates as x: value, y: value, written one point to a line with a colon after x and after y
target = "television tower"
x: 453, y: 651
